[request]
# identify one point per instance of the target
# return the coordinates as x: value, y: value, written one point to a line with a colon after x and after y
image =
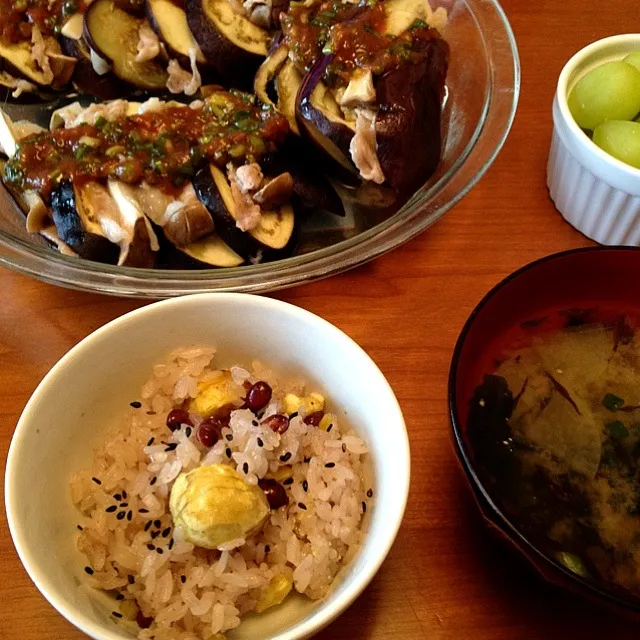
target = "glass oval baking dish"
x: 483, y: 86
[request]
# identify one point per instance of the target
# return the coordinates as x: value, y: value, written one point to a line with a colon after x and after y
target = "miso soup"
x: 555, y: 432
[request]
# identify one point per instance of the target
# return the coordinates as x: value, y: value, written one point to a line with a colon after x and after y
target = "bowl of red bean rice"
x: 217, y: 466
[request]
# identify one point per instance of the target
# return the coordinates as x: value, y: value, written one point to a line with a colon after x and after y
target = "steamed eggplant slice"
x: 319, y: 117
x: 169, y: 21
x: 231, y: 43
x: 408, y: 112
x: 85, y: 78
x: 280, y: 70
x: 211, y: 251
x: 409, y: 116
x: 311, y: 188
x: 73, y: 27
x: 268, y: 71
x: 273, y: 233
x: 78, y: 229
x: 114, y: 34
x: 366, y: 100
x: 18, y: 59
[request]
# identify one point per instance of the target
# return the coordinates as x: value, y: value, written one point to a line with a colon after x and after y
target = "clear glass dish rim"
x: 414, y: 217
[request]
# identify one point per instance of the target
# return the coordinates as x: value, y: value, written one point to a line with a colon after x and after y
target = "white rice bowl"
x: 134, y: 551
x: 80, y: 400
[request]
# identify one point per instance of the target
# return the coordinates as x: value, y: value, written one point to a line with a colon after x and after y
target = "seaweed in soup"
x: 555, y: 434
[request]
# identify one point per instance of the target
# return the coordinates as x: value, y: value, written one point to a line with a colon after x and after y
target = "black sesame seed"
x: 267, y: 548
x: 97, y: 481
x: 245, y: 467
x: 154, y: 534
x: 364, y: 507
x: 171, y: 447
x: 129, y: 515
x: 171, y: 543
x: 183, y: 579
x: 116, y: 614
x: 135, y: 404
x: 157, y: 523
x: 88, y: 570
x: 287, y: 481
x: 131, y: 579
x: 305, y: 485
x: 150, y: 546
x: 121, y: 515
x: 330, y: 465
x: 111, y: 509
x: 153, y: 480
x: 147, y: 526
x: 117, y: 496
x: 370, y: 493
x: 124, y: 494
x: 188, y: 432
x: 255, y: 423
x: 159, y: 551
x: 344, y: 448
x: 329, y: 428
x: 307, y: 460
x: 293, y: 415
x: 302, y: 505
x: 119, y: 597
x: 229, y: 437
x: 166, y: 532
x: 260, y: 442
x: 228, y: 452
x: 143, y: 510
x: 285, y: 457
x: 124, y: 505
x: 150, y: 441
x: 79, y: 527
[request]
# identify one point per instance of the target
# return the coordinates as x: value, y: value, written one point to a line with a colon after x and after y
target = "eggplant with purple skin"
x: 18, y: 61
x: 408, y: 101
x: 409, y: 116
x: 85, y: 78
x: 77, y: 228
x: 322, y: 122
x: 232, y: 44
x: 209, y: 251
x: 169, y: 21
x: 279, y: 70
x: 364, y: 113
x: 311, y: 188
x: 113, y: 36
x: 93, y: 222
x: 272, y: 238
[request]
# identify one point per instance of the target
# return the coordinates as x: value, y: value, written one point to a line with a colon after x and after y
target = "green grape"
x: 608, y: 92
x: 634, y: 59
x: 621, y: 139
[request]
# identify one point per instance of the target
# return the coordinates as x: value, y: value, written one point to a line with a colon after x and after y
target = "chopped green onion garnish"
x: 612, y: 402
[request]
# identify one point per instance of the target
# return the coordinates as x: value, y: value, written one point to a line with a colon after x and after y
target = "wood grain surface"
x: 445, y: 578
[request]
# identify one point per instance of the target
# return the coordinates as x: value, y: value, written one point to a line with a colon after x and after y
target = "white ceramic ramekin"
x: 596, y: 193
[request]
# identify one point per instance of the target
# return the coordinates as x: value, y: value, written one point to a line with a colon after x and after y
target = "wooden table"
x: 445, y: 577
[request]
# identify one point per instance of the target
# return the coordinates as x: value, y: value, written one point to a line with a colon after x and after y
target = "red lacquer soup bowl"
x: 594, y: 286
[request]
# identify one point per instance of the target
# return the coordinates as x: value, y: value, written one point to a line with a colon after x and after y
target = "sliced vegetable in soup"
x: 555, y: 431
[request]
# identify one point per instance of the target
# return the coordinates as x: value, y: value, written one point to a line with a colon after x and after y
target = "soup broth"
x: 555, y: 431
